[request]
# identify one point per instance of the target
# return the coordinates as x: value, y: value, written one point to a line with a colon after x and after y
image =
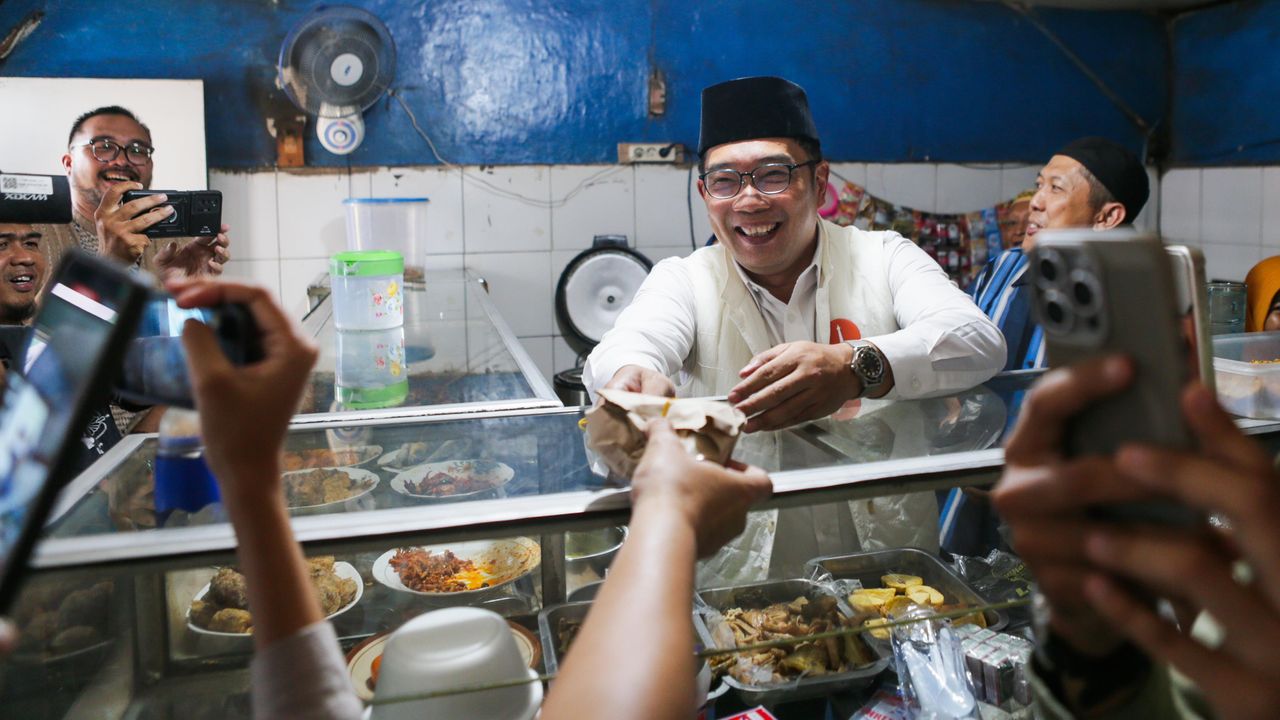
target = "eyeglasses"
x: 770, y: 179
x: 107, y: 150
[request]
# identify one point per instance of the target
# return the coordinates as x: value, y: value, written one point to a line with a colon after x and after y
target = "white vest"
x: 853, y: 291
x: 852, y: 286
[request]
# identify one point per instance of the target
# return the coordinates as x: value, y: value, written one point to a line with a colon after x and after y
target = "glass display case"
x: 453, y: 350
x: 110, y: 621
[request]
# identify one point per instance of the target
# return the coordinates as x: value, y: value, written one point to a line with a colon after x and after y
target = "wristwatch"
x: 868, y: 365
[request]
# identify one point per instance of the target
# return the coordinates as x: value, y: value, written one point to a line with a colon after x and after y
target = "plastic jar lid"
x: 372, y: 398
x: 383, y: 201
x: 366, y: 263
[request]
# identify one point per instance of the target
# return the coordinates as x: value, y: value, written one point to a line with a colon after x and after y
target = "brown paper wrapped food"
x: 615, y: 427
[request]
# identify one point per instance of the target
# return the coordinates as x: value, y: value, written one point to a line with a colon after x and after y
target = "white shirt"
x: 945, y: 343
x: 792, y: 321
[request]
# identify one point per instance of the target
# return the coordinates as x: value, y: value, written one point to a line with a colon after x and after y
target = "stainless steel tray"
x: 547, y: 621
x: 868, y: 567
x: 771, y: 694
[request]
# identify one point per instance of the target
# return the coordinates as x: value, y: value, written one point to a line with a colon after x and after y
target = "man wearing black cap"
x: 1092, y: 182
x: 790, y: 316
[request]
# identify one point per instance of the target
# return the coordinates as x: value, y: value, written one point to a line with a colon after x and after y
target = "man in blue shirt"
x: 1092, y: 182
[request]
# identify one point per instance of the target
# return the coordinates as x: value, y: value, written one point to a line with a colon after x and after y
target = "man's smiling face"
x: 767, y: 234
x: 23, y: 268
x: 91, y: 177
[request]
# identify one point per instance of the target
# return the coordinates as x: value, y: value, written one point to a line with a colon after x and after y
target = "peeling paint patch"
x: 20, y: 32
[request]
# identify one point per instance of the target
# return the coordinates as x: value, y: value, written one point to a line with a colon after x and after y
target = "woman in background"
x: 1262, y: 309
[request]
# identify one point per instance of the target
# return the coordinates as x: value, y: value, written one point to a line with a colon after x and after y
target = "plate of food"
x: 458, y: 569
x: 365, y: 659
x: 312, y: 458
x: 406, y: 456
x: 320, y: 489
x: 456, y: 480
x: 221, y: 607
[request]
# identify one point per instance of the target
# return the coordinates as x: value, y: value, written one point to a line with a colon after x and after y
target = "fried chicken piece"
x: 229, y: 589
x: 38, y: 632
x: 318, y: 566
x: 807, y: 660
x: 231, y: 620
x: 202, y: 612
x: 83, y: 607
x: 328, y: 592
x: 74, y: 638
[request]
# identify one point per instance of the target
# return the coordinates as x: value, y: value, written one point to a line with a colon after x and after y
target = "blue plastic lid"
x: 383, y: 201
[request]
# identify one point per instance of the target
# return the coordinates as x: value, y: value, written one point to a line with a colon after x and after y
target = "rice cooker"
x: 594, y: 287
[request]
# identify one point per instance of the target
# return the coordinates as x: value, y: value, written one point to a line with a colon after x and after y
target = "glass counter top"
x: 454, y: 348
x: 489, y: 470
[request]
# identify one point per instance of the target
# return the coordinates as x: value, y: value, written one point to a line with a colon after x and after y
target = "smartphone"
x: 89, y: 310
x: 196, y: 213
x: 1193, y: 304
x: 1101, y: 293
x: 155, y: 362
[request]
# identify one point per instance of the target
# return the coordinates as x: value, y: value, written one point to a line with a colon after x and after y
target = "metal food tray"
x: 547, y: 619
x: 723, y: 599
x: 868, y: 567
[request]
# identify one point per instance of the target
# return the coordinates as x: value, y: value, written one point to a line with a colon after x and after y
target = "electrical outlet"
x: 650, y: 153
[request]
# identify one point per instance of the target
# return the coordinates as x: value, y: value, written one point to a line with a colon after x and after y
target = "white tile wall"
x: 443, y: 187
x: 964, y: 188
x: 855, y: 173
x: 911, y: 184
x: 1232, y: 206
x: 1225, y: 261
x: 590, y: 200
x: 295, y: 275
x: 265, y: 273
x: 505, y: 209
x: 1234, y: 212
x: 1271, y: 211
x: 1180, y: 206
x: 249, y: 207
x: 663, y: 197
x: 520, y: 286
x: 312, y: 218
x: 1016, y: 178
x: 539, y: 349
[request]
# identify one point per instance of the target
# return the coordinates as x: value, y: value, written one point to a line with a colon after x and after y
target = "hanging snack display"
x: 961, y: 243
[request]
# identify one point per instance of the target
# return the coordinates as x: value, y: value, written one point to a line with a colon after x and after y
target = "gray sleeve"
x: 304, y: 677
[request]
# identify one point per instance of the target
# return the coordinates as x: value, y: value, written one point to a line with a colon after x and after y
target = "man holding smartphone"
x: 109, y: 152
x: 1105, y: 651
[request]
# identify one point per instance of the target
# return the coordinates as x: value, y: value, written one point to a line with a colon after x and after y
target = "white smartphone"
x: 1098, y: 293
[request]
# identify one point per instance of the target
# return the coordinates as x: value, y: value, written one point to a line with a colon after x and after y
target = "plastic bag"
x: 931, y: 668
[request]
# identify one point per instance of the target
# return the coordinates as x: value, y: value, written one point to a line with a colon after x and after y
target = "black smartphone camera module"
x: 196, y: 213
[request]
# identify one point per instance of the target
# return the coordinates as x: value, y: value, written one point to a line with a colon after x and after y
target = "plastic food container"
x: 368, y: 290
x: 369, y: 368
x: 1246, y: 369
x: 398, y: 224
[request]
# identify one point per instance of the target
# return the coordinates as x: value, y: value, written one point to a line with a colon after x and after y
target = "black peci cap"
x: 1119, y: 171
x: 753, y: 108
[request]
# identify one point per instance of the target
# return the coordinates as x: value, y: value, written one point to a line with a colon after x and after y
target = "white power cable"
x: 500, y: 191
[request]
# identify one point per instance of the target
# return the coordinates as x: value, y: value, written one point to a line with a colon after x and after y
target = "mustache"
x: 125, y: 171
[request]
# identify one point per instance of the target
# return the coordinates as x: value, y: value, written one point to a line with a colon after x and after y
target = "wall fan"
x: 335, y: 64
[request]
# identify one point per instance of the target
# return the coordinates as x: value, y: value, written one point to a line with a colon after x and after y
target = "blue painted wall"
x: 531, y: 81
x: 1226, y: 82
